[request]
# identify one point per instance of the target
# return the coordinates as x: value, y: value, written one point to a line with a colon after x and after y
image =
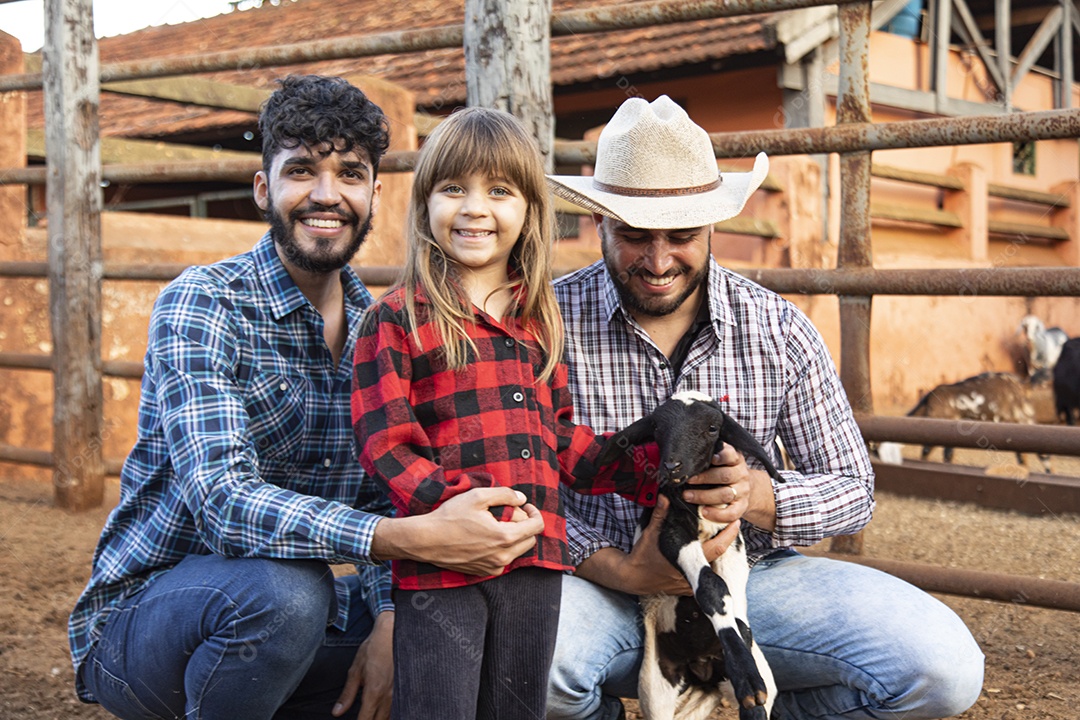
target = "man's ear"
x: 261, y: 190
x: 376, y: 196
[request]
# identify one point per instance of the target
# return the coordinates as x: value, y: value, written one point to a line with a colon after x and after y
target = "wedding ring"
x: 734, y: 494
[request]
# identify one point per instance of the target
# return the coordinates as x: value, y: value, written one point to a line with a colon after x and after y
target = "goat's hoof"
x: 752, y: 701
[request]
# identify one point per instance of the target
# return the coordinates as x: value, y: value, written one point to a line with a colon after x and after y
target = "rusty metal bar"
x: 574, y: 22
x: 1011, y: 127
x: 1031, y: 493
x: 963, y: 282
x: 374, y: 275
x: 851, y: 137
x: 188, y: 170
x: 25, y: 361
x: 25, y: 456
x: 853, y: 108
x: 1006, y: 437
x: 1018, y: 589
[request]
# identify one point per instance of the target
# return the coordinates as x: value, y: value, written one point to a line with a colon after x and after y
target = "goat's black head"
x: 689, y: 428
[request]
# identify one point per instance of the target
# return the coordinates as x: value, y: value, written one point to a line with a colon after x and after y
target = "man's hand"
x: 462, y: 534
x: 740, y: 492
x: 645, y: 571
x: 373, y: 670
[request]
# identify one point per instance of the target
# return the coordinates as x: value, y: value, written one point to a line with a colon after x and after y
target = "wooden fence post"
x: 71, y: 80
x: 508, y: 63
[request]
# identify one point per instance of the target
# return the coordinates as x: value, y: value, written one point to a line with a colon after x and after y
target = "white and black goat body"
x: 692, y: 645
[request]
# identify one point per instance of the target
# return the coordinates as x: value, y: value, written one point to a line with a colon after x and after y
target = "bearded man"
x: 658, y: 315
x: 211, y: 593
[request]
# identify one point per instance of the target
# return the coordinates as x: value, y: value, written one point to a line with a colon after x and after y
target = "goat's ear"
x: 740, y: 438
x: 636, y: 433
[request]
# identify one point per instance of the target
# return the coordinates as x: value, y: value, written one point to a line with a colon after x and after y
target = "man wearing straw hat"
x: 658, y: 315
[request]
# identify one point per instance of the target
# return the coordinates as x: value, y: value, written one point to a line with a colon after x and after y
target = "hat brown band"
x: 657, y: 192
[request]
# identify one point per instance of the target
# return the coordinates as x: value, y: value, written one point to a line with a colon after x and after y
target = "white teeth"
x: 316, y: 222
x: 473, y: 233
x: 658, y: 281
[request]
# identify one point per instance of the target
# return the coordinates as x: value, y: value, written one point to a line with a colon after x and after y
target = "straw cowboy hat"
x: 656, y: 169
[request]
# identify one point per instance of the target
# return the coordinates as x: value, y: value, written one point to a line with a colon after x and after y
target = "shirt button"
x: 326, y: 462
x: 526, y: 454
x: 509, y: 342
x: 518, y: 397
x: 284, y: 387
x: 663, y: 366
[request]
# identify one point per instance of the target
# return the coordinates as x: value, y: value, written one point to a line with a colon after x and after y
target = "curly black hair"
x: 311, y: 110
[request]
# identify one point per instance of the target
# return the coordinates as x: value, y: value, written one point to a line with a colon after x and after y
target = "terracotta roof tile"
x: 436, y: 76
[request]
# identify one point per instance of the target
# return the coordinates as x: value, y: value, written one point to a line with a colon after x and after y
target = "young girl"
x: 458, y: 384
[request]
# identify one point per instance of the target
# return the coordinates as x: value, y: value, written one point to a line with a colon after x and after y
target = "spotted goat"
x: 989, y: 397
x: 696, y: 647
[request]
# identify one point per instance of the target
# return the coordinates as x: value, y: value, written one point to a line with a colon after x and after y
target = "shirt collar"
x: 284, y: 295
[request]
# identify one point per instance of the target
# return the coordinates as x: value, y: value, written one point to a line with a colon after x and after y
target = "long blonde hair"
x: 495, y: 144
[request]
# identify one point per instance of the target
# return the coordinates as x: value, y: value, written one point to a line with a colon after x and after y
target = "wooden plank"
x: 508, y: 63
x: 887, y: 172
x: 913, y: 213
x: 120, y: 151
x: 74, y: 243
x: 1000, y: 227
x: 193, y: 90
x: 1007, y: 192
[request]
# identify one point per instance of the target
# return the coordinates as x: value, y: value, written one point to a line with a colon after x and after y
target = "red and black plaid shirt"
x: 428, y: 433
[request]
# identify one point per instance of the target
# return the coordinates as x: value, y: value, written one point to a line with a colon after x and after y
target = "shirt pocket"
x: 276, y: 406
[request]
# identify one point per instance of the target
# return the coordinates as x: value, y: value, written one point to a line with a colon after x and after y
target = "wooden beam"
x: 193, y: 90
x: 508, y: 63
x: 133, y: 152
x: 74, y: 249
x: 913, y: 213
x: 1037, y: 44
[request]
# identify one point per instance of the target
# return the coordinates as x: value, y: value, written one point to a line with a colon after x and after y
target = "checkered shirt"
x: 770, y: 369
x: 245, y: 445
x: 430, y: 433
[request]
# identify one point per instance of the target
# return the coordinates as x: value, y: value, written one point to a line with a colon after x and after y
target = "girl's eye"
x: 500, y: 191
x: 452, y: 189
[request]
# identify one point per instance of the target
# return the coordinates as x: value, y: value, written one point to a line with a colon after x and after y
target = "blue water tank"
x: 906, y: 22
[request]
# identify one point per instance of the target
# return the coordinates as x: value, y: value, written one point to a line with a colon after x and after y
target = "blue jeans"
x: 843, y: 641
x: 228, y: 638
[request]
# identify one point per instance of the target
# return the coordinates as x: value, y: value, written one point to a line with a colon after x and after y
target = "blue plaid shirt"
x: 245, y: 447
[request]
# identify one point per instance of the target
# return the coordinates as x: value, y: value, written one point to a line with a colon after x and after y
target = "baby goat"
x: 693, y: 644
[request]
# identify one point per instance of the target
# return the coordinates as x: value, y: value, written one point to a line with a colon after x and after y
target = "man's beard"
x: 324, y: 260
x: 655, y: 307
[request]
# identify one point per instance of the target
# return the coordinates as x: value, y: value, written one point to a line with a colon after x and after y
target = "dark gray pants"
x: 482, y: 651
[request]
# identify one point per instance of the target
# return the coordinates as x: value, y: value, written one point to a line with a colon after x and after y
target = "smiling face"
x: 477, y: 220
x: 655, y: 271
x: 319, y: 203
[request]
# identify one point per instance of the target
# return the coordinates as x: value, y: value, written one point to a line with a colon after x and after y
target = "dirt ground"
x: 1032, y: 654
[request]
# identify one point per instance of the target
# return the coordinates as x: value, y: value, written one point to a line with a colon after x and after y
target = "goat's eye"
x: 713, y: 429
